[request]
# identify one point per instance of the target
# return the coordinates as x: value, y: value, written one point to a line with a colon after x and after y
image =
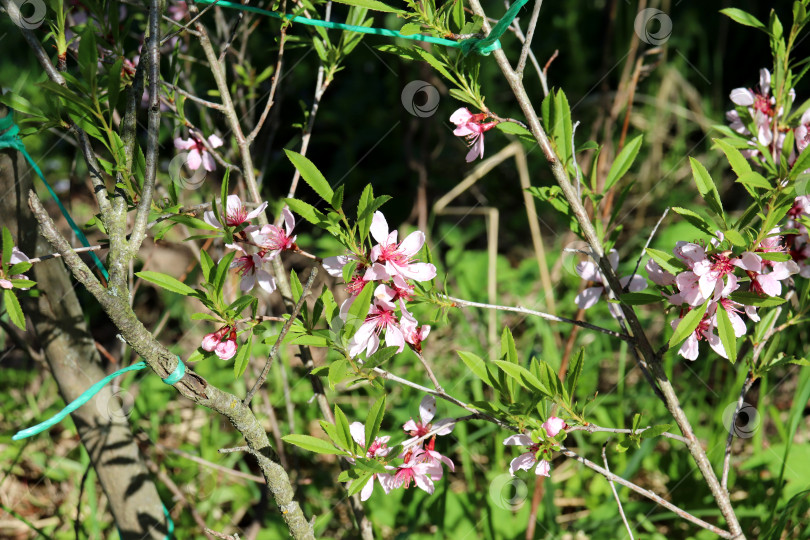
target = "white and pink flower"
x: 472, y: 127
x: 427, y: 411
x: 273, y: 238
x: 198, y: 154
x: 390, y: 258
x: 235, y: 213
x: 589, y: 271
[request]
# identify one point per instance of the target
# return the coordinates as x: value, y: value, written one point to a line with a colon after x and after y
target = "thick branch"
x: 163, y: 362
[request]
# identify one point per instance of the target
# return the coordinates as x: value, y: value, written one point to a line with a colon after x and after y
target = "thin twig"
x: 649, y: 241
x: 286, y: 328
x: 749, y: 380
x: 192, y: 97
x: 524, y: 52
x: 593, y: 428
x: 430, y: 373
x: 646, y: 493
x: 458, y: 302
x: 57, y: 255
x: 616, y: 494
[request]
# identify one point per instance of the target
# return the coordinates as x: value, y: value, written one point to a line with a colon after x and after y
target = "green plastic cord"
x: 482, y: 46
x: 173, y: 378
x: 10, y: 138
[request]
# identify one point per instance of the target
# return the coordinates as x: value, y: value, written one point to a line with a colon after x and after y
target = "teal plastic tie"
x: 88, y: 394
x: 483, y: 46
x: 10, y: 138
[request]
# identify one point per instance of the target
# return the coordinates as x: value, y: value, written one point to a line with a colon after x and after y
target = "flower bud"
x: 210, y: 342
x: 226, y: 349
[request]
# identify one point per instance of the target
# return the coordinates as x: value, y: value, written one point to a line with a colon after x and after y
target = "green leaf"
x: 655, y: 431
x: 359, y: 310
x: 311, y: 175
x: 743, y: 17
x: 753, y: 179
x: 22, y: 283
x: 748, y: 298
x: 776, y: 256
x: 13, y: 308
x: 313, y: 444
x: 8, y: 245
x: 523, y: 376
x: 735, y: 237
x: 374, y: 420
x: 373, y: 5
x: 735, y: 158
x: 295, y: 285
x: 513, y: 129
x: 706, y: 186
x: 206, y: 264
x: 623, y: 162
x: 696, y: 220
x: 88, y: 54
x: 221, y: 272
x: 726, y: 331
x: 343, y: 431
x: 667, y: 261
x: 476, y: 365
x: 242, y: 359
x: 688, y: 325
x: 364, y: 477
x: 306, y: 211
x: 20, y: 268
x: 337, y: 198
x: 508, y: 349
x: 167, y: 282
x: 801, y: 164
x: 379, y: 357
x: 573, y: 374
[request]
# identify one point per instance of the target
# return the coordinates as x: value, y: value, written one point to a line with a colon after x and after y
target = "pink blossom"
x: 226, y: 349
x: 390, y: 258
x: 434, y: 460
x: 249, y: 268
x: 414, y: 334
x: 802, y: 132
x: 414, y: 469
x: 17, y: 256
x: 378, y: 448
x: 767, y: 283
x: 198, y: 154
x: 334, y: 265
x: 273, y: 238
x: 381, y: 317
x: 528, y: 459
x: 705, y: 330
x: 210, y: 341
x: 707, y: 277
x: 658, y: 275
x: 235, y: 213
x: 589, y: 271
x: 472, y: 127
x: 178, y: 10
x: 553, y: 425
x: 427, y: 410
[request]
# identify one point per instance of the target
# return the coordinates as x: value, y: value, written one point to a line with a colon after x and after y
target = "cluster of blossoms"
x: 472, y: 127
x: 760, y: 106
x: 255, y: 246
x: 17, y: 256
x: 421, y: 463
x: 532, y: 457
x: 710, y: 277
x: 798, y: 242
x: 391, y: 266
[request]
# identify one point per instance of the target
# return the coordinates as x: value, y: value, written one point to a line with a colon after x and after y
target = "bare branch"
x: 616, y: 494
x: 524, y: 52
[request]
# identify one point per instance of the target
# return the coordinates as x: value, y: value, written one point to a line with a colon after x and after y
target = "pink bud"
x: 553, y: 426
x: 226, y: 349
x: 210, y: 342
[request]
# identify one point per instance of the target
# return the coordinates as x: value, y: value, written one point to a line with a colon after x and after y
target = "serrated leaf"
x: 359, y: 309
x: 313, y: 444
x: 167, y: 282
x: 311, y: 175
x: 374, y: 420
x: 655, y: 431
x: 735, y: 237
x: 8, y: 245
x: 206, y: 264
x: 476, y: 365
x: 508, y: 349
x: 696, y: 220
x: 572, y: 379
x: 726, y: 332
x: 343, y: 431
x: 753, y: 179
x: 13, y: 308
x: 380, y: 356
x: 623, y: 162
x: 513, y: 129
x: 364, y: 478
x: 688, y: 324
x: 306, y: 211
